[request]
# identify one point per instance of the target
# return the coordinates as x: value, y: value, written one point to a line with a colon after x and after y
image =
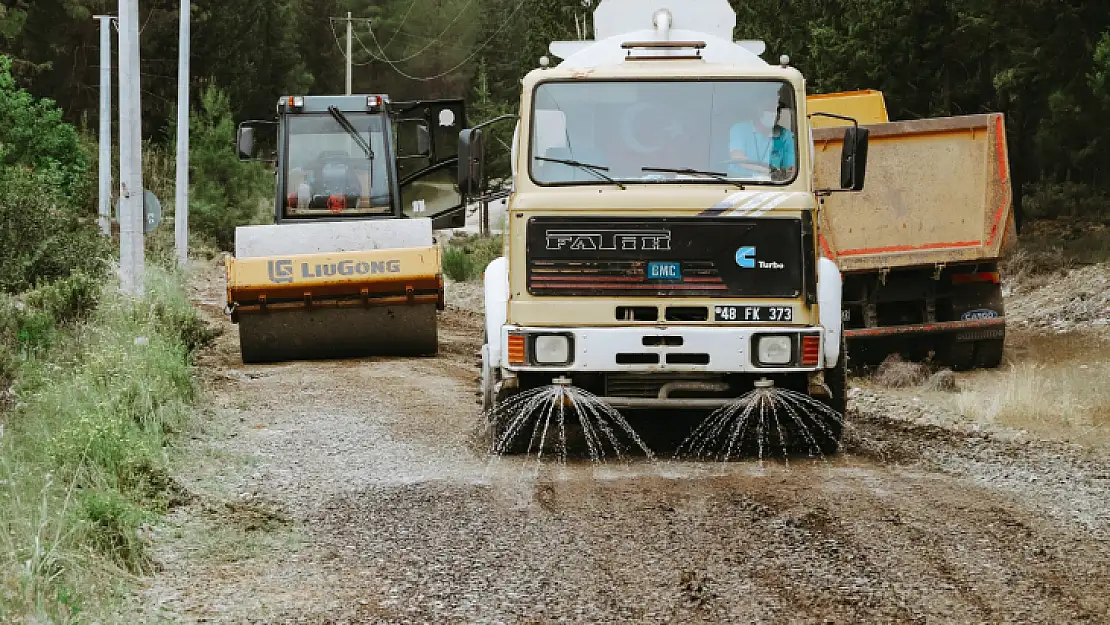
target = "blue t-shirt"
x: 776, y: 151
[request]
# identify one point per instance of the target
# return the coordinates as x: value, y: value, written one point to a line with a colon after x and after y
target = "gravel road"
x: 357, y: 491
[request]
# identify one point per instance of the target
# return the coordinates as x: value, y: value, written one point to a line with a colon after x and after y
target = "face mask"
x: 769, y: 118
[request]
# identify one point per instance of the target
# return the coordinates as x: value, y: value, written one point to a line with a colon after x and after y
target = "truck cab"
x: 661, y: 246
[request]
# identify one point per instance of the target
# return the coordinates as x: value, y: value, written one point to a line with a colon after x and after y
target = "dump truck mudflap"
x: 330, y: 305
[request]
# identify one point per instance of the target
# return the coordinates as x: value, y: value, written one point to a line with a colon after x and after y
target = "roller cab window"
x: 664, y: 131
x: 336, y: 169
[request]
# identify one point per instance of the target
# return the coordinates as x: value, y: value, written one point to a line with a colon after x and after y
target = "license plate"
x: 664, y: 271
x: 753, y: 313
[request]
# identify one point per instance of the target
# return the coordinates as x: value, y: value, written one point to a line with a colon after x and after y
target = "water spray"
x: 764, y: 419
x: 536, y: 422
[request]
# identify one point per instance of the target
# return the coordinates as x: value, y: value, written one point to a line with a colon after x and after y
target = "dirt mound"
x: 466, y: 296
x: 1079, y: 300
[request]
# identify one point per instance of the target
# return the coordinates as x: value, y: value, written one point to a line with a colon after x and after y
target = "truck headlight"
x: 774, y: 350
x: 551, y: 349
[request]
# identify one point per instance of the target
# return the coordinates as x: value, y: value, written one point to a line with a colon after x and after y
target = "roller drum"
x: 338, y: 332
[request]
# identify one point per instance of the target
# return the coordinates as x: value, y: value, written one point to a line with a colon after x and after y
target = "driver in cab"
x: 760, y: 148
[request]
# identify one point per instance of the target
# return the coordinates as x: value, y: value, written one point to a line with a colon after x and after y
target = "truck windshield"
x: 327, y: 171
x: 739, y: 131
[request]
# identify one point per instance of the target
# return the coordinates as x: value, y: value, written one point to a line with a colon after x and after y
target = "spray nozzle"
x: 764, y: 383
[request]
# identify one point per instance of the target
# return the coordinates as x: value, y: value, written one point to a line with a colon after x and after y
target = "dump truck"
x: 350, y: 266
x: 662, y: 239
x: 919, y: 249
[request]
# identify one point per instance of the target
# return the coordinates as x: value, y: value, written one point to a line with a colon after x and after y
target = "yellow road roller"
x: 350, y: 266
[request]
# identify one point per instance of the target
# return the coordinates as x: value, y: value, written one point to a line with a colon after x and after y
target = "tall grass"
x: 99, y: 397
x: 1042, y: 396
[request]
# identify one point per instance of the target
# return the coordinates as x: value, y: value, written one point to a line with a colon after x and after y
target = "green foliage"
x: 32, y: 134
x: 466, y: 258
x: 45, y: 230
x: 66, y: 300
x: 43, y: 235
x: 113, y: 527
x: 225, y: 192
x: 83, y: 458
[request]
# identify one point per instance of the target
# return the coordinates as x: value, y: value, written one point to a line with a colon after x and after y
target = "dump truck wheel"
x: 957, y: 356
x: 988, y: 354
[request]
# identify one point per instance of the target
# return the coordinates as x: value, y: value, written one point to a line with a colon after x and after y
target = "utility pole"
x: 131, y: 157
x: 349, y: 61
x: 105, y: 187
x: 181, y: 203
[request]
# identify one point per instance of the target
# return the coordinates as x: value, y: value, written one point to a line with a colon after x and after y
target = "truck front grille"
x: 704, y: 257
x: 620, y: 278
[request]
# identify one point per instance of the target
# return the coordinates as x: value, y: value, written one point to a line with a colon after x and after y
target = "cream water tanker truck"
x: 662, y: 238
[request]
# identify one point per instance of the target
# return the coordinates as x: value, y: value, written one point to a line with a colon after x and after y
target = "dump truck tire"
x: 988, y: 354
x: 338, y: 332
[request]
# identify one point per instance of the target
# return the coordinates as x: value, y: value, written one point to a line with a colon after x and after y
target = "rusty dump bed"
x: 937, y: 192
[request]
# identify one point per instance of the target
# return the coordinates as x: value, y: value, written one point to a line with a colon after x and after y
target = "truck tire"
x: 827, y: 430
x: 956, y: 356
x: 988, y: 354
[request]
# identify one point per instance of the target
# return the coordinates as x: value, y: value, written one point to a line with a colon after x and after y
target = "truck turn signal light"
x: 516, y: 349
x: 811, y: 350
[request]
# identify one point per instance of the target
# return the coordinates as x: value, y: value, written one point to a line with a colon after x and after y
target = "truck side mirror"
x: 472, y: 156
x: 853, y: 160
x: 244, y: 142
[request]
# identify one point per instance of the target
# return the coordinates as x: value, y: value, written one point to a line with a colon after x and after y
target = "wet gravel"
x: 385, y: 508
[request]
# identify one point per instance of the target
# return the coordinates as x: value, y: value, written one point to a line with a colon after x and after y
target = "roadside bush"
x: 33, y: 135
x: 466, y: 257
x: 66, y: 300
x: 1070, y: 199
x: 43, y: 236
x: 225, y: 193
x: 47, y: 227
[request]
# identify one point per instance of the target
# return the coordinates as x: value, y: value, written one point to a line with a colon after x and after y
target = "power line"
x: 431, y: 43
x: 404, y: 19
x: 339, y: 45
x: 473, y: 54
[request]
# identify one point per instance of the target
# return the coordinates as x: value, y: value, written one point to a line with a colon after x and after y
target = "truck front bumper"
x: 671, y: 349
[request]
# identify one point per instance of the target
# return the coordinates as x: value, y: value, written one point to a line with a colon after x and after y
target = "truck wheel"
x: 826, y: 429
x: 988, y: 354
x: 957, y: 356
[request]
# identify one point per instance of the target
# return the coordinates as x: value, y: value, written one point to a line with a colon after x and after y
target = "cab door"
x: 426, y: 133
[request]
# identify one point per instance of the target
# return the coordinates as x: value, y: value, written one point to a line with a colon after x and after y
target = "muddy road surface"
x: 358, y: 491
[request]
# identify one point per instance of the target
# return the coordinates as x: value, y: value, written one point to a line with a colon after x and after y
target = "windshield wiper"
x: 593, y: 169
x: 346, y: 124
x: 694, y: 172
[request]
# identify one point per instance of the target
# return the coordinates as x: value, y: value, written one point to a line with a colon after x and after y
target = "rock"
x: 943, y: 381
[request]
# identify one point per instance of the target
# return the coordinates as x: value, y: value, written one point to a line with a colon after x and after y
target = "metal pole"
x: 181, y: 203
x: 131, y: 170
x: 349, y: 68
x: 105, y: 187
